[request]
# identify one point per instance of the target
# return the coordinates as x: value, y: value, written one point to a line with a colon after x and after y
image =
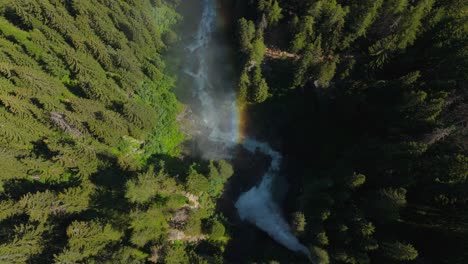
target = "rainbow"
x: 241, y: 120
x: 239, y: 111
x: 225, y: 16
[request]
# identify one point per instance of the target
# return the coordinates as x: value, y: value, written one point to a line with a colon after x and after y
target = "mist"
x: 210, y: 74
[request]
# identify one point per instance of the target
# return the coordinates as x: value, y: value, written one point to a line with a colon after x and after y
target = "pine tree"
x: 299, y: 222
x: 246, y: 29
x: 41, y: 205
x: 26, y: 243
x: 147, y: 225
x: 86, y: 239
x: 319, y: 255
x: 362, y: 15
x: 387, y: 203
x: 356, y: 180
x: 148, y: 184
x: 399, y: 251
x: 197, y: 183
x: 308, y: 64
x: 176, y: 255
x: 217, y: 230
x: 259, y: 88
x: 76, y: 199
x: 271, y: 9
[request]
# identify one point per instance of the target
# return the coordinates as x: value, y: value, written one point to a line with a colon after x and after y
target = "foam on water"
x: 212, y: 113
x: 257, y: 205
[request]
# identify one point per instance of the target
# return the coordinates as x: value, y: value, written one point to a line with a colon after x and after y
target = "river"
x: 207, y: 71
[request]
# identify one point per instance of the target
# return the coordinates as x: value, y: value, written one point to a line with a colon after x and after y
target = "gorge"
x: 216, y: 105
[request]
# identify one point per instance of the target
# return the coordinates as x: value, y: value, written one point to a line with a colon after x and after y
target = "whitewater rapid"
x: 214, y: 111
x: 257, y: 205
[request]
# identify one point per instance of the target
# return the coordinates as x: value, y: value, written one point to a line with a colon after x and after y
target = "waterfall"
x: 257, y: 205
x: 212, y: 117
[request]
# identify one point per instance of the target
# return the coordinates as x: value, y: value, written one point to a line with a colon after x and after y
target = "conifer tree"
x: 399, y: 251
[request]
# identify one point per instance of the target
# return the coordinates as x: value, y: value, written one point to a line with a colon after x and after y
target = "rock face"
x: 193, y: 200
x: 188, y: 122
x: 274, y: 53
x: 180, y: 218
x: 177, y: 235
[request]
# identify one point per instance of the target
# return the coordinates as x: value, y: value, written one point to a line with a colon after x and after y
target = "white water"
x: 256, y: 205
x: 215, y: 112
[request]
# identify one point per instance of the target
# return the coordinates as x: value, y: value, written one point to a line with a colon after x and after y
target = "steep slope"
x: 87, y: 121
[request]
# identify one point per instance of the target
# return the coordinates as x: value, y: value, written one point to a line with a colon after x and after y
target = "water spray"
x: 257, y: 205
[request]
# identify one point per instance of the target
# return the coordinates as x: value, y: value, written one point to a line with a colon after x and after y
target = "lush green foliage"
x: 86, y: 108
x: 252, y: 87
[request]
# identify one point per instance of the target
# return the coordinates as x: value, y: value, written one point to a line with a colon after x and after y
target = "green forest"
x: 366, y: 99
x: 369, y: 100
x: 88, y: 135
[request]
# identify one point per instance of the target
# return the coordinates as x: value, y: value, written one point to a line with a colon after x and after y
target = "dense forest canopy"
x: 87, y: 120
x: 370, y: 100
x: 367, y: 100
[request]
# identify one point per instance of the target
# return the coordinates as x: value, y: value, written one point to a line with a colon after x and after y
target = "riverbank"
x: 206, y: 85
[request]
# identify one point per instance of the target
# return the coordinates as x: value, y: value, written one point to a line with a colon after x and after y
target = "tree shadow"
x: 109, y: 200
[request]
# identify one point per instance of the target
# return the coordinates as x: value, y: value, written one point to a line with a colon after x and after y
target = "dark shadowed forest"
x: 368, y: 100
